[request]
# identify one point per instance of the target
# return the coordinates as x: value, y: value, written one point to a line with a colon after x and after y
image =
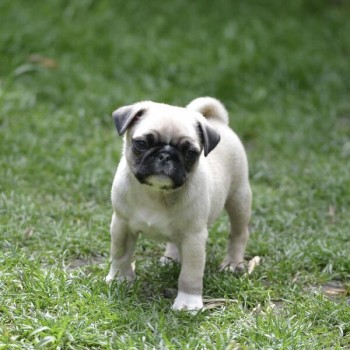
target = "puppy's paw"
x: 187, y: 302
x: 109, y: 279
x: 119, y: 277
x: 236, y: 268
x: 166, y: 260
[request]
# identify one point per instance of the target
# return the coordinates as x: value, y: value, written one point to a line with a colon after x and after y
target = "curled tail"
x: 210, y: 107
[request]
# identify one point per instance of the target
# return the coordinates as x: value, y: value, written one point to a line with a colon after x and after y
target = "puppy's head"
x: 163, y: 143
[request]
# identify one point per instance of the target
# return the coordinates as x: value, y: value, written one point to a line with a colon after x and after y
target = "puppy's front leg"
x: 122, y: 248
x: 190, y: 284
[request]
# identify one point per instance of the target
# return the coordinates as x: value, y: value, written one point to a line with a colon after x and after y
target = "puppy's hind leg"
x: 238, y: 207
x: 171, y: 254
x: 122, y: 249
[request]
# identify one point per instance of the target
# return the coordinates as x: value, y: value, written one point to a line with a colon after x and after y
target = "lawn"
x: 282, y: 70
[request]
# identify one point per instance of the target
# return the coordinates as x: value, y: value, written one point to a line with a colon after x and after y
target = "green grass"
x: 281, y: 68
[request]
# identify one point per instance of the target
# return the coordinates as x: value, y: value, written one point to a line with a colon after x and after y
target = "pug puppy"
x: 179, y: 169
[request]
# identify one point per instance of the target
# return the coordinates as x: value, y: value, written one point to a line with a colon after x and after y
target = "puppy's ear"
x: 124, y: 116
x: 209, y: 136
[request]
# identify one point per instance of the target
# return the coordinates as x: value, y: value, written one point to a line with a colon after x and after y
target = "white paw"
x: 165, y: 260
x: 109, y: 278
x: 238, y: 268
x: 120, y: 277
x: 189, y: 302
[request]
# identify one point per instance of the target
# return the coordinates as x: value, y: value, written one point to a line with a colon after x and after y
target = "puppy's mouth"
x: 161, y: 182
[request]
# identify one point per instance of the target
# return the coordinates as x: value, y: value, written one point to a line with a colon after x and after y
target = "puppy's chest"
x: 152, y: 220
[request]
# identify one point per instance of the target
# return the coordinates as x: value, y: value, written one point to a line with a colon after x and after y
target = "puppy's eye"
x: 191, y: 154
x: 140, y: 145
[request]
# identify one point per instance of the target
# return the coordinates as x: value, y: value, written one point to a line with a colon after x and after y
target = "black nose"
x: 164, y: 157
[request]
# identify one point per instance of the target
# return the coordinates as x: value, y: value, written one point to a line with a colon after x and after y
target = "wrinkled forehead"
x: 168, y: 124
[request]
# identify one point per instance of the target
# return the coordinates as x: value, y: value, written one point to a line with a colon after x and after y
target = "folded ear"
x: 124, y: 116
x: 210, y: 137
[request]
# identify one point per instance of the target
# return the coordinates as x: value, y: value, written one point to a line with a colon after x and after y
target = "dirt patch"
x: 84, y: 262
x: 334, y: 290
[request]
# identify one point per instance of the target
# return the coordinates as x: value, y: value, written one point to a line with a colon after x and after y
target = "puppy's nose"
x: 164, y: 157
